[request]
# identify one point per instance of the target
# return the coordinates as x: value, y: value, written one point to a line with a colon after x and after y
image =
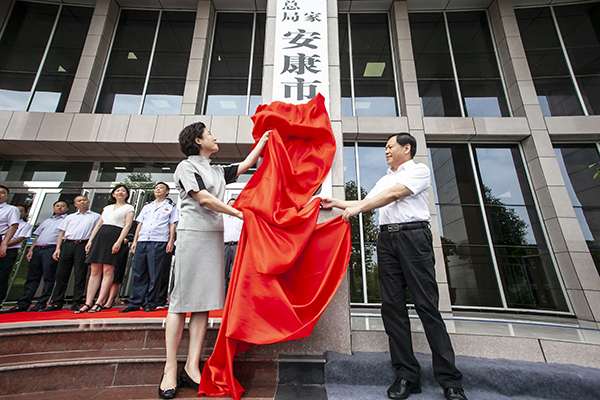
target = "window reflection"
x: 367, y: 43
x: 574, y: 162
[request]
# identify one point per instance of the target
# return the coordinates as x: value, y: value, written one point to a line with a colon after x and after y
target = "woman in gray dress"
x: 198, y: 280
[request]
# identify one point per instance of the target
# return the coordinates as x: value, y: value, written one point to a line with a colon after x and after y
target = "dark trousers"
x: 229, y: 254
x: 42, y: 265
x: 149, y: 262
x: 6, y: 265
x: 72, y: 257
x: 163, y: 291
x: 406, y: 259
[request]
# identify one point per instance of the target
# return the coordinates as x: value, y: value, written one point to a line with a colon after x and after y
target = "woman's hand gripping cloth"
x: 287, y: 268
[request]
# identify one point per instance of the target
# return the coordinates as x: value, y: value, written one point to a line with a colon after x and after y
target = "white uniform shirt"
x: 9, y: 215
x: 156, y: 220
x: 411, y: 208
x: 110, y: 216
x: 48, y: 231
x: 79, y: 226
x: 232, y: 228
x: 23, y: 231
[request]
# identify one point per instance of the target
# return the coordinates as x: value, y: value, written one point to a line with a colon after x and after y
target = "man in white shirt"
x: 152, y: 250
x: 41, y: 263
x: 9, y: 223
x: 406, y: 260
x: 75, y: 230
x: 232, y: 229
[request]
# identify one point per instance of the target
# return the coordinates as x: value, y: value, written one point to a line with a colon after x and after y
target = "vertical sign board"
x: 301, y: 67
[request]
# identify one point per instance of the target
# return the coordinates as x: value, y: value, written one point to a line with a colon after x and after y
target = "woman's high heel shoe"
x: 185, y: 380
x: 167, y: 393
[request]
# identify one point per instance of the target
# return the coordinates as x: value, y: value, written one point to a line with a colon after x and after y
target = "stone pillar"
x: 86, y: 85
x: 411, y: 107
x: 332, y: 332
x: 574, y: 261
x: 195, y: 81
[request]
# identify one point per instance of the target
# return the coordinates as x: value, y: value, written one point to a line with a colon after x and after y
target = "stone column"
x: 86, y: 84
x: 574, y: 261
x: 195, y: 81
x: 411, y: 107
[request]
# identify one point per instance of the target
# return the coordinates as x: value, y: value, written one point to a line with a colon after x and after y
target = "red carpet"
x: 65, y: 314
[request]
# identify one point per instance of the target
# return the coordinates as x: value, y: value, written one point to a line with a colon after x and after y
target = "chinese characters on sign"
x: 301, y: 61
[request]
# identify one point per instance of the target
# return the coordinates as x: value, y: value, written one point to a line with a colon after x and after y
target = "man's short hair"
x: 162, y: 183
x: 187, y: 138
x: 61, y: 201
x: 404, y: 138
x: 5, y: 188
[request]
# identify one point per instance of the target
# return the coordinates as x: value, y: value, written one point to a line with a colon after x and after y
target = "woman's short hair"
x: 187, y: 138
x: 112, y: 198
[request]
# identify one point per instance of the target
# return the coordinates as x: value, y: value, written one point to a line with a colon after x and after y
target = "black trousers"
x: 149, y: 263
x: 406, y: 259
x: 6, y: 265
x: 42, y: 265
x: 72, y: 258
x: 229, y: 254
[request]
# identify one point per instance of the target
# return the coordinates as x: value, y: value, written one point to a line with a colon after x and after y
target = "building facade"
x: 503, y: 97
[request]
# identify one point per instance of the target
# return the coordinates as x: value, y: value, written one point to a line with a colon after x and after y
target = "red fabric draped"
x: 287, y: 268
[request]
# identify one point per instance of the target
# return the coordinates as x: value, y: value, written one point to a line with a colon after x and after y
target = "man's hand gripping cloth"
x: 287, y: 268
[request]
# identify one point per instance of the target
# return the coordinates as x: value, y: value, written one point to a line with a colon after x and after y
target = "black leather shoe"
x: 128, y: 309
x: 167, y: 393
x: 14, y: 309
x: 149, y: 308
x: 75, y: 306
x: 37, y: 307
x: 185, y: 380
x: 53, y: 307
x: 402, y: 388
x: 454, y: 393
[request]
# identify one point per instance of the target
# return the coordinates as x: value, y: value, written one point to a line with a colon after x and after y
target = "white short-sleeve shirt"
x: 411, y: 208
x: 9, y: 215
x: 110, y: 216
x: 23, y: 231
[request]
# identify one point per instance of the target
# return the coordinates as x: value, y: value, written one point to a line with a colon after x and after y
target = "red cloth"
x: 287, y: 268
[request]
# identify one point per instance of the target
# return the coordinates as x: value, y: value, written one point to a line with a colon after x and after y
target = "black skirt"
x: 101, y: 248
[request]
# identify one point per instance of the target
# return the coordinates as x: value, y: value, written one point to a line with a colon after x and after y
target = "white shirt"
x: 9, y: 215
x: 48, y: 231
x: 232, y: 228
x: 156, y: 220
x: 79, y: 226
x: 411, y: 208
x: 110, y: 216
x: 23, y: 231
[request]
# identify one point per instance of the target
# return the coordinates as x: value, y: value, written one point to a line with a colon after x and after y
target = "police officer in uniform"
x: 152, y: 250
x: 406, y: 260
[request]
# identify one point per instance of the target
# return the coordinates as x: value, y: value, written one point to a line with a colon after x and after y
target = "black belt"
x: 77, y: 241
x: 404, y: 227
x: 231, y: 243
x: 50, y: 246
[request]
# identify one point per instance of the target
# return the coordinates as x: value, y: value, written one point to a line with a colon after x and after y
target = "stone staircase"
x: 110, y: 361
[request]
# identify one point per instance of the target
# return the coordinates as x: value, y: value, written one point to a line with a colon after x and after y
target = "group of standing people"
x: 66, y: 244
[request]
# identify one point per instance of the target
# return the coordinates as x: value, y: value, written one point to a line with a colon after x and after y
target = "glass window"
x: 584, y: 190
x: 367, y: 70
x: 30, y: 79
x: 472, y: 64
x: 541, y: 31
x: 148, y: 63
x: 233, y: 56
x: 58, y: 171
x: 136, y: 172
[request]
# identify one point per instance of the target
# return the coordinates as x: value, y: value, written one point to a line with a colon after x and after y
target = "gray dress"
x: 198, y: 281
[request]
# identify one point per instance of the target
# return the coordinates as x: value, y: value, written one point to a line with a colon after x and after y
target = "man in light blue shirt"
x: 152, y: 248
x: 75, y: 230
x: 41, y: 263
x: 9, y: 223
